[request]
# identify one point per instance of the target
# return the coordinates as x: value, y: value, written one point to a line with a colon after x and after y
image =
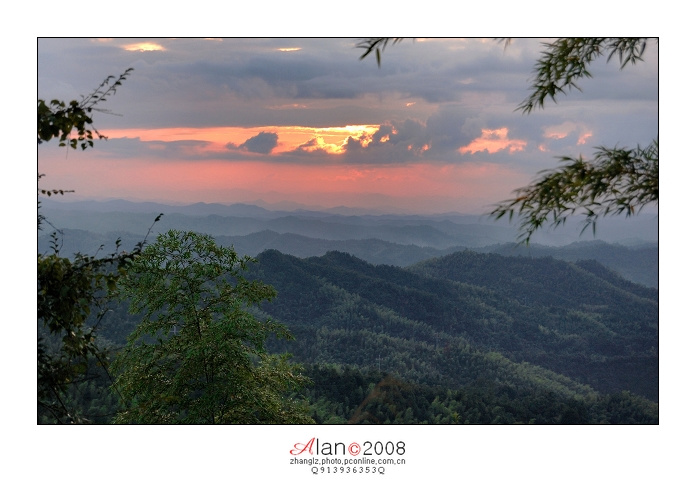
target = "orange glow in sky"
x: 222, y: 180
x: 143, y: 47
x: 493, y: 141
x: 305, y: 120
x: 289, y: 137
x: 582, y: 139
x: 219, y: 180
x: 440, y: 187
x: 565, y: 129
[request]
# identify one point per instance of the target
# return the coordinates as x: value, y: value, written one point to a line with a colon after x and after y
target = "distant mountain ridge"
x: 205, y: 209
x: 242, y: 219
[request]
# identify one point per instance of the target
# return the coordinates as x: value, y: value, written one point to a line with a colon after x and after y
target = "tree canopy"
x: 198, y: 355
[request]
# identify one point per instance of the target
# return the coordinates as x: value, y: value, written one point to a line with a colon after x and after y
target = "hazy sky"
x: 305, y: 120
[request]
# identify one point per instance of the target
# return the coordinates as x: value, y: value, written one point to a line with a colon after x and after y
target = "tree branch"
x: 616, y: 181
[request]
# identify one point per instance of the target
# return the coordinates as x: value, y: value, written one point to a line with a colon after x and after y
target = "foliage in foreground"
x: 70, y: 293
x: 198, y: 355
x: 615, y: 181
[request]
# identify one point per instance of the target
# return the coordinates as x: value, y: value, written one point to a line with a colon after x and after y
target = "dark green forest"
x: 470, y: 337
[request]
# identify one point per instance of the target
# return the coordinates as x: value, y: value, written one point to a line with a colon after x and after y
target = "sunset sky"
x: 305, y: 121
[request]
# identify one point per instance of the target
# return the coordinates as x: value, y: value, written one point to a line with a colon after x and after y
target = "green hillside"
x: 468, y: 316
x: 465, y: 338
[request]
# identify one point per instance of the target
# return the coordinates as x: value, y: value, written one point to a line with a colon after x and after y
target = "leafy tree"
x: 69, y: 292
x: 198, y: 355
x: 614, y: 181
x: 57, y: 119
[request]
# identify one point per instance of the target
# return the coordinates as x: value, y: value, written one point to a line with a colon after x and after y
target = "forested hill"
x: 467, y: 317
x: 541, y: 281
x: 638, y: 263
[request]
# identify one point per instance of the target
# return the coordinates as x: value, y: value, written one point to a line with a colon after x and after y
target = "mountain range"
x: 626, y: 246
x: 448, y: 308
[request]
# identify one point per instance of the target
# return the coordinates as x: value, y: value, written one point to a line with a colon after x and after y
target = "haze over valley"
x: 627, y: 246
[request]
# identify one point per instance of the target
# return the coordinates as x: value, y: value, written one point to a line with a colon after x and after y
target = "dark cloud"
x: 197, y: 82
x: 330, y: 69
x: 381, y: 149
x: 401, y: 141
x: 263, y: 143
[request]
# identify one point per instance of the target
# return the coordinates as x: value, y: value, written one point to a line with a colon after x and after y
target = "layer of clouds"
x: 433, y: 100
x: 236, y: 82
